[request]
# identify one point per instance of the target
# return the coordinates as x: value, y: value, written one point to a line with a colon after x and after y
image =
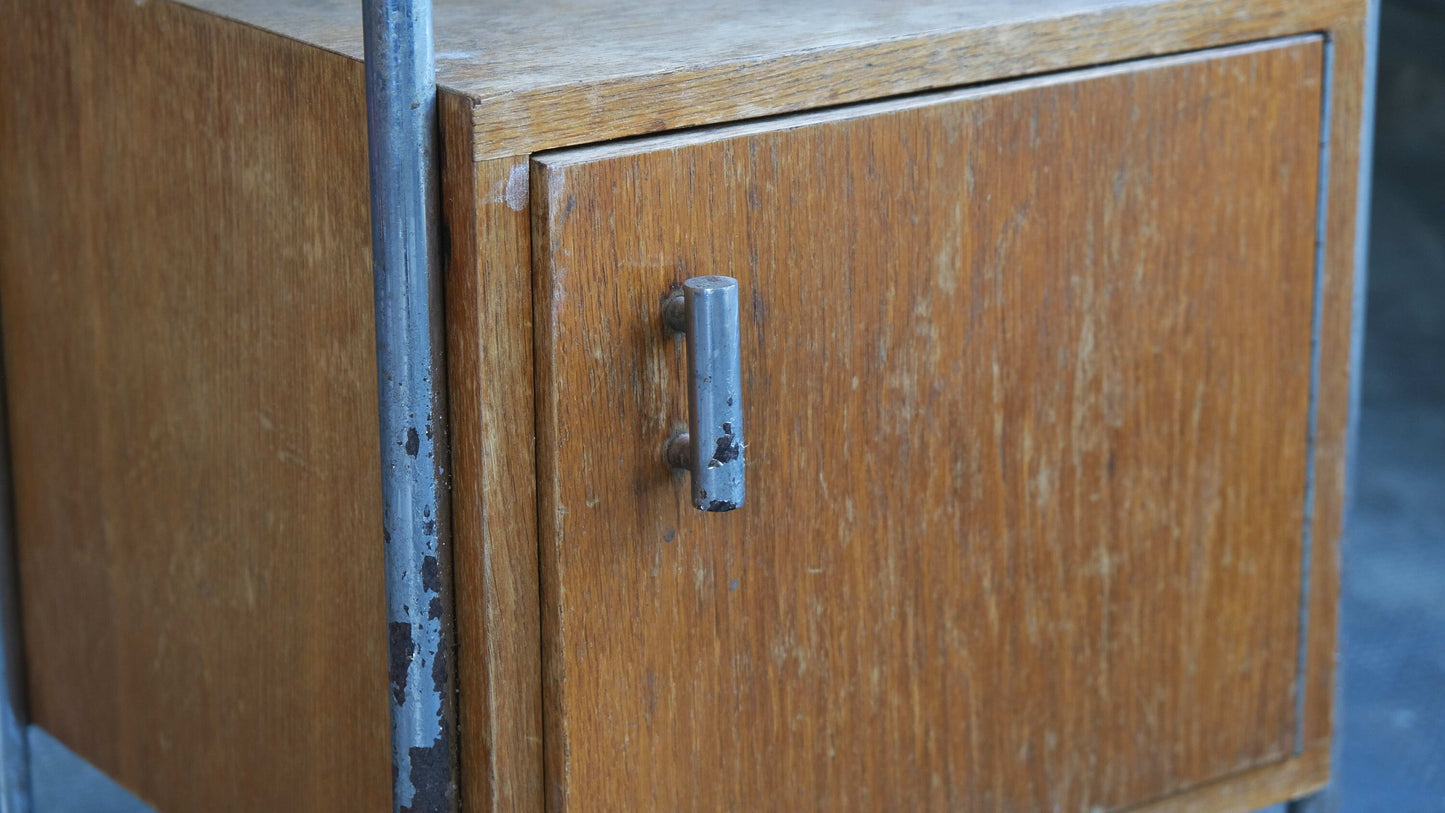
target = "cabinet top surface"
x: 549, y: 73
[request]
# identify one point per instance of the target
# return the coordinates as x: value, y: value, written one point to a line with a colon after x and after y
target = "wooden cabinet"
x: 1045, y: 337
x: 1027, y: 387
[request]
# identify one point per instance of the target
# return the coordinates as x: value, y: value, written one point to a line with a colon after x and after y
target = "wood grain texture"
x: 1028, y: 384
x: 494, y: 508
x: 186, y: 280
x: 553, y: 73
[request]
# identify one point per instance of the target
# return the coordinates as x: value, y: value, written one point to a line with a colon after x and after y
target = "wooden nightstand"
x: 1045, y: 339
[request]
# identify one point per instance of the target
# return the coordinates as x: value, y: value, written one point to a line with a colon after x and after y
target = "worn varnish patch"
x: 652, y: 65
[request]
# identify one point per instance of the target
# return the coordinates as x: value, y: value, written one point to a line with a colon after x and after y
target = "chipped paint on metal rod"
x: 401, y: 113
x: 713, y: 450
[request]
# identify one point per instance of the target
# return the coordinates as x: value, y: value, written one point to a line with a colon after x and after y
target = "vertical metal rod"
x: 401, y: 113
x: 14, y: 714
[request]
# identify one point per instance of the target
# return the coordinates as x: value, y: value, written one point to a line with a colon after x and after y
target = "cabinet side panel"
x: 494, y: 510
x: 186, y: 282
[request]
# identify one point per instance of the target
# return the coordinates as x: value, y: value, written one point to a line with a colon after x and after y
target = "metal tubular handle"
x: 705, y: 309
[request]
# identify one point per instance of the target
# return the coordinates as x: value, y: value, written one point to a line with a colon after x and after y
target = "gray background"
x: 1392, y: 719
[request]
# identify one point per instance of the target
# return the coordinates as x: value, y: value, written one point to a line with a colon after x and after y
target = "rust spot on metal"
x: 440, y: 672
x: 727, y: 450
x: 401, y: 650
x: 431, y: 779
x: 413, y: 441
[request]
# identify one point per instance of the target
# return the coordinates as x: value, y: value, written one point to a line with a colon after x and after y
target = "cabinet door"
x: 1027, y: 387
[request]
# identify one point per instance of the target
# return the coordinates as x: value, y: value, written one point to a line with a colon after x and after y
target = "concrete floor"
x: 1392, y: 754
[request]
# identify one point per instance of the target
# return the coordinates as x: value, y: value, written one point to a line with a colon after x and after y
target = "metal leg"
x: 1322, y: 801
x: 14, y: 714
x: 401, y: 112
